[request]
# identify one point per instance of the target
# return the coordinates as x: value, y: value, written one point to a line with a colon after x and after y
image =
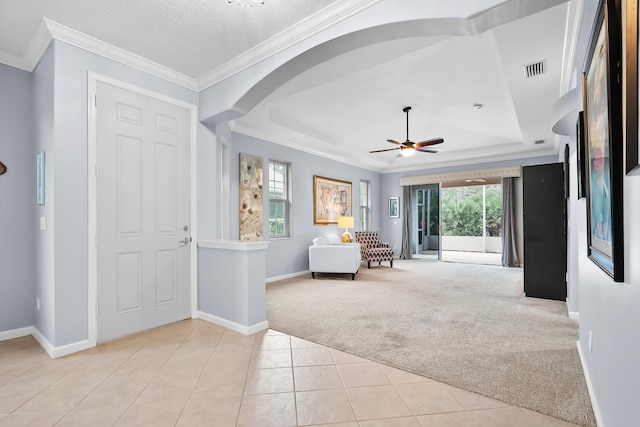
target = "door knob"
x: 185, y: 241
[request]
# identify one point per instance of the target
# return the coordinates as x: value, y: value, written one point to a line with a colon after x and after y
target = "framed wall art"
x: 629, y: 20
x: 580, y: 154
x: 251, y: 178
x: 394, y: 208
x: 40, y: 178
x: 604, y: 144
x: 331, y: 200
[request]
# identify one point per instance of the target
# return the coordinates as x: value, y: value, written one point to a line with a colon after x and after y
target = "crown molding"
x: 34, y: 51
x: 91, y: 44
x: 15, y: 61
x: 569, y: 74
x: 302, y: 30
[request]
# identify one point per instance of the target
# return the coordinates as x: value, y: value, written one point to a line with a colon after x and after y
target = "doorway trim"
x: 93, y: 79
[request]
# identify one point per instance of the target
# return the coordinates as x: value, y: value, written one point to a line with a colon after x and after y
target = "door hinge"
x: 95, y: 100
x: 97, y: 311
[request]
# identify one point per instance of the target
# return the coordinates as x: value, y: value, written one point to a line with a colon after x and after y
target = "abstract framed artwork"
x: 629, y: 20
x: 565, y: 168
x: 331, y: 200
x: 580, y: 154
x: 251, y: 181
x: 603, y: 136
x: 394, y: 208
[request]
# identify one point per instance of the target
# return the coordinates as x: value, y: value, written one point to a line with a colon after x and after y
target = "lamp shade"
x: 345, y: 222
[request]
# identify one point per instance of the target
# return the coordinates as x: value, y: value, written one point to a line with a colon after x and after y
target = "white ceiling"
x: 352, y: 103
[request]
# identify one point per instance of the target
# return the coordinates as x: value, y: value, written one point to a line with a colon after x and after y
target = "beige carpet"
x: 466, y: 325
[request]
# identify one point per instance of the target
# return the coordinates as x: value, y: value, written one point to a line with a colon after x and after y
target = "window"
x: 278, y: 199
x: 472, y: 211
x: 365, y: 205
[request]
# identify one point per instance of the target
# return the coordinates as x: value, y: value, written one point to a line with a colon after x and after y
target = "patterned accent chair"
x: 372, y: 249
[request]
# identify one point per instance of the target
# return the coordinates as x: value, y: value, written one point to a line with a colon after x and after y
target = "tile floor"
x: 193, y: 373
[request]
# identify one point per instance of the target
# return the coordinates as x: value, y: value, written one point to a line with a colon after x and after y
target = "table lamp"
x: 346, y: 222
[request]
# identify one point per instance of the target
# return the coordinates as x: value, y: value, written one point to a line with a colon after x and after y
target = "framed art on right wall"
x: 602, y: 96
x: 580, y: 154
x: 629, y: 21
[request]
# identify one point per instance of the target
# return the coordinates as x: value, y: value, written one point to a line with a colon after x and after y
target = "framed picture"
x: 250, y: 214
x: 603, y: 134
x: 581, y: 150
x: 331, y: 200
x: 40, y: 178
x: 565, y: 168
x: 629, y: 21
x: 394, y: 209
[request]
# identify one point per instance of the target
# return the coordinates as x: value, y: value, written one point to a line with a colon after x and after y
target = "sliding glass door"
x: 426, y: 221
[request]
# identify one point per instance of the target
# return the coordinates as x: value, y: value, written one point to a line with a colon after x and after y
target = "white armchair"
x: 328, y: 257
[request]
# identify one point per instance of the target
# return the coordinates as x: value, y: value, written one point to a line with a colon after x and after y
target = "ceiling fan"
x: 408, y: 148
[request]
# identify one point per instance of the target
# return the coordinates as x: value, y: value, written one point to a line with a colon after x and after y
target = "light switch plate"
x: 43, y: 223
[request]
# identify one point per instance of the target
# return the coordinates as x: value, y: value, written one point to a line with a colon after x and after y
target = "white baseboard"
x: 16, y: 333
x: 286, y: 276
x: 43, y: 341
x: 574, y: 315
x: 592, y: 395
x: 51, y: 350
x: 55, y: 352
x: 245, y: 330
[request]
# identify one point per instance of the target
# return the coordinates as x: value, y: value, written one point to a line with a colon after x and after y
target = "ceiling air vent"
x: 534, y: 69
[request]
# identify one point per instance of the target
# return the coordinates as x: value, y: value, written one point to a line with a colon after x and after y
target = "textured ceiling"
x: 191, y: 37
x: 352, y: 103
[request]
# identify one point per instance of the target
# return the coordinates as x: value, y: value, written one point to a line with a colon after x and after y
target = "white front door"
x: 143, y: 212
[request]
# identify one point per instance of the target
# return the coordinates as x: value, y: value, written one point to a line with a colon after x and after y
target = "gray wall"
x: 17, y: 200
x: 289, y: 256
x: 610, y: 311
x: 43, y: 112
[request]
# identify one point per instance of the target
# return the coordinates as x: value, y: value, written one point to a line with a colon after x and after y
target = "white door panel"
x: 143, y: 203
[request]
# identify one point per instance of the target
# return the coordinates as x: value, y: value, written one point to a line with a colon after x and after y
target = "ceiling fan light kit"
x: 407, y: 151
x: 408, y: 148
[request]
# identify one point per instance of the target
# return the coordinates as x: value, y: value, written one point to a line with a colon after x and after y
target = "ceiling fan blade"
x: 428, y: 149
x: 428, y: 142
x: 394, y: 142
x: 380, y: 151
